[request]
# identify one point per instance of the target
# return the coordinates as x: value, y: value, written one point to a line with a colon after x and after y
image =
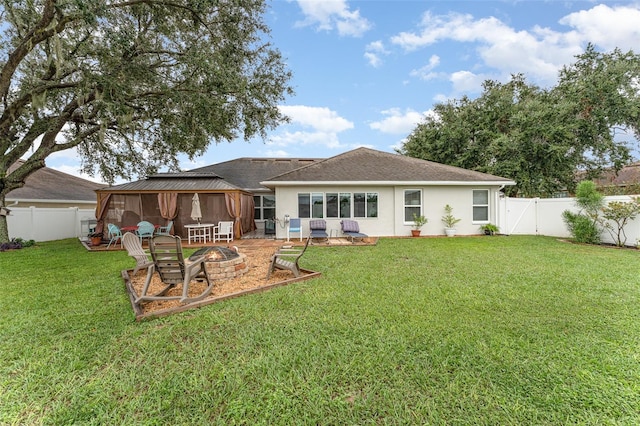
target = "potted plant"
x: 96, y: 238
x: 489, y: 229
x: 449, y: 221
x: 418, y: 222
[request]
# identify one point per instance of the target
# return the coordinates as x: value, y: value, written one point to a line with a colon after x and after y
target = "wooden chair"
x: 134, y: 248
x: 287, y: 259
x: 174, y: 269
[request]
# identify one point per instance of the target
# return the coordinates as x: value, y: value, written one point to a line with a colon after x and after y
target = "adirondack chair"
x: 134, y: 248
x: 287, y: 259
x: 174, y: 269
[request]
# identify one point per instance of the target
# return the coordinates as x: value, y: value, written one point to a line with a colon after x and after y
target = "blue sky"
x: 366, y: 72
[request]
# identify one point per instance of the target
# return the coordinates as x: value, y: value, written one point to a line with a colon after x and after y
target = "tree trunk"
x: 4, y: 229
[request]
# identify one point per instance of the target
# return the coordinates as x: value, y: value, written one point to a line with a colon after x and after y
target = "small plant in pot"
x: 449, y: 221
x: 418, y: 222
x: 489, y: 229
x: 96, y: 238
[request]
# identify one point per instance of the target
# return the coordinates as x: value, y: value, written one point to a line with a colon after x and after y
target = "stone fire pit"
x: 222, y: 263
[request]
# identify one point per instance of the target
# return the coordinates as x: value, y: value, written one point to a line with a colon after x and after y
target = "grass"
x: 489, y: 330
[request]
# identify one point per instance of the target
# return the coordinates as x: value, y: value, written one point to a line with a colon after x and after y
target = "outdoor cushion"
x: 350, y: 226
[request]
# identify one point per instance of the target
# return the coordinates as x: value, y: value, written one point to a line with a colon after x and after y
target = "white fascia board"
x: 386, y: 183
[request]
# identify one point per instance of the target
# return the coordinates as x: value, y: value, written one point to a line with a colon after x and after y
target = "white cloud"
x: 328, y: 15
x: 466, y: 81
x: 426, y: 72
x: 373, y: 53
x: 609, y: 27
x: 310, y: 126
x: 398, y: 121
x: 318, y: 118
x: 537, y: 52
x: 329, y: 140
x: 279, y: 153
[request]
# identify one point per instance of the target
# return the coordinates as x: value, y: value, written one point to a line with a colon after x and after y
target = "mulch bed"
x: 251, y: 282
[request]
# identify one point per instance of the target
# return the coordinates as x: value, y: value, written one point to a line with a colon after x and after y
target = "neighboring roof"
x: 247, y: 173
x: 366, y: 165
x: 48, y: 184
x: 628, y: 175
x: 182, y: 181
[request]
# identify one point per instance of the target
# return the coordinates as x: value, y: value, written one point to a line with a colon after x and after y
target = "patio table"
x: 199, y: 232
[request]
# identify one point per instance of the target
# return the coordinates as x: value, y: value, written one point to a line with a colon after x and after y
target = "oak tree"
x: 131, y: 84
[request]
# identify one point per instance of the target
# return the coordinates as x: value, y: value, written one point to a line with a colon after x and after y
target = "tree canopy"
x: 541, y: 137
x: 131, y: 84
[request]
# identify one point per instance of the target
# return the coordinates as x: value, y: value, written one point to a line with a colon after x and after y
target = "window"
x: 412, y: 204
x: 480, y: 205
x: 265, y: 206
x: 338, y: 204
x: 311, y: 205
x: 365, y: 204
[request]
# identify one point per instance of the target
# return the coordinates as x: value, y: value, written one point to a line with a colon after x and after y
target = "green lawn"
x: 456, y: 331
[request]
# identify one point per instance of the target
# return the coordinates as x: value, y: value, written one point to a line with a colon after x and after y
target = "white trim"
x: 386, y: 183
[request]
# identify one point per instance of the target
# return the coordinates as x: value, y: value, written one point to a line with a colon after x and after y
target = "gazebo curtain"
x: 168, y: 203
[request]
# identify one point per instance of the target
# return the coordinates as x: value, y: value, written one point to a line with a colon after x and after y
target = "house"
x: 380, y: 190
x: 51, y: 205
x: 53, y: 189
x: 383, y: 191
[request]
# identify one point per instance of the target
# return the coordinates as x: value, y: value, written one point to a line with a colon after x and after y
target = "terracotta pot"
x: 415, y: 232
x: 96, y: 241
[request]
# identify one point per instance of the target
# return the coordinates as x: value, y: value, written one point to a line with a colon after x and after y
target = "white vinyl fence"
x: 47, y: 224
x: 543, y: 216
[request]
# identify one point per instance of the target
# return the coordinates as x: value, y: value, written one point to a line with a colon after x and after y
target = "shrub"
x: 16, y: 243
x: 583, y: 228
x: 620, y: 213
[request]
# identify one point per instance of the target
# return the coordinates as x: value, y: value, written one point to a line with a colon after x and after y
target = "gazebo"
x: 164, y: 197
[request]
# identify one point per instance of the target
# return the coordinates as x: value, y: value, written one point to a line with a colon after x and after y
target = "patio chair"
x: 174, y: 269
x: 145, y: 230
x: 351, y: 229
x: 165, y: 230
x: 294, y: 226
x: 115, y: 234
x: 287, y: 259
x: 318, y: 229
x: 134, y: 248
x: 224, y: 230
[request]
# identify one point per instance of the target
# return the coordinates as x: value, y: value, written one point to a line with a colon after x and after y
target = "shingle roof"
x: 247, y: 173
x: 50, y: 184
x: 368, y: 165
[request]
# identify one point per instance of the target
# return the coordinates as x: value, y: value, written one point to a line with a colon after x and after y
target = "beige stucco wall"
x: 390, y: 220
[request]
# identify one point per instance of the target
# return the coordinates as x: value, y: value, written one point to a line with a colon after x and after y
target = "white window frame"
x: 412, y: 206
x: 261, y: 208
x: 474, y: 206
